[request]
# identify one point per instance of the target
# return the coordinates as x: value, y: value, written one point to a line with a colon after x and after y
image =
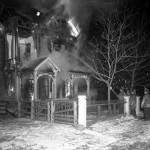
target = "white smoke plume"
x: 66, y: 64
x: 79, y: 11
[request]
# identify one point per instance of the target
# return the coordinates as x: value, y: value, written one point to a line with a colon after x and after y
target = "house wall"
x: 27, y: 86
x: 44, y: 52
x: 27, y: 49
x: 26, y: 52
x: 3, y: 90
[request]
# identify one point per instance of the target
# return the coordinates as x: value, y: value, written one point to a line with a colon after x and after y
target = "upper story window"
x: 27, y: 50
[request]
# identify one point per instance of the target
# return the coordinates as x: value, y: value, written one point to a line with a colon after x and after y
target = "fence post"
x: 98, y: 111
x: 19, y: 109
x: 52, y: 111
x: 48, y: 111
x: 137, y: 105
x: 127, y: 105
x: 75, y: 111
x: 32, y: 110
x: 114, y: 108
x: 82, y: 110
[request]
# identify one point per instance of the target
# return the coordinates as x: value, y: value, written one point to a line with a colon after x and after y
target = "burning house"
x: 37, y: 63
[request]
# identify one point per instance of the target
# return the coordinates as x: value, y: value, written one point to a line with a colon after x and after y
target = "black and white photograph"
x: 74, y: 75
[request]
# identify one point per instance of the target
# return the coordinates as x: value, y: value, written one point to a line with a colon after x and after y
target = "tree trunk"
x: 108, y: 93
x: 109, y: 98
x: 133, y: 80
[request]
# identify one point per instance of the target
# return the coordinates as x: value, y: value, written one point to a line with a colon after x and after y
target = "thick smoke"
x: 80, y: 11
x: 66, y: 62
x: 45, y: 6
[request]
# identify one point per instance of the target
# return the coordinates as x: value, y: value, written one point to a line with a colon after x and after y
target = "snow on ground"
x: 113, y: 133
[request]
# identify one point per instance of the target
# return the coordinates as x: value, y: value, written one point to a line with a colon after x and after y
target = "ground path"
x: 114, y: 133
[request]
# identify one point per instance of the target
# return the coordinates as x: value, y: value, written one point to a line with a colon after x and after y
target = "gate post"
x: 137, y: 105
x: 127, y: 105
x: 82, y: 110
x: 48, y: 111
x: 32, y: 110
x: 19, y: 109
x: 52, y: 111
x: 75, y: 112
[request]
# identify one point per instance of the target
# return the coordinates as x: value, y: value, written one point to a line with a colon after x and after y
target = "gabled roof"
x: 33, y: 64
x: 41, y: 62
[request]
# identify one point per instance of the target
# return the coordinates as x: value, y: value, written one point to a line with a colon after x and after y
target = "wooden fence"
x: 95, y: 111
x: 65, y: 111
x: 2, y: 107
x: 24, y: 109
x: 60, y: 111
x: 9, y: 107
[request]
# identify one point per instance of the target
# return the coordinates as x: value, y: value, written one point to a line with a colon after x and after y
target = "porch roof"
x: 44, y: 62
x: 35, y: 63
x: 79, y: 72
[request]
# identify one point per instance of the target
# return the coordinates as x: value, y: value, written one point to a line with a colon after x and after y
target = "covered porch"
x: 38, y: 80
x: 42, y: 79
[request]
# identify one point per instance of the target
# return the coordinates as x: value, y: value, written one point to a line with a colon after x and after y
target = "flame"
x: 38, y: 13
x: 32, y: 96
x: 11, y: 89
x: 75, y: 31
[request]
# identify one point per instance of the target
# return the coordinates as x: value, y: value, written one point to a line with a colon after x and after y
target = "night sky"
x: 139, y: 8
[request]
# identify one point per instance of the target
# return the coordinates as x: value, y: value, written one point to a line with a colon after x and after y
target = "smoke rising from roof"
x: 66, y: 63
x: 80, y: 11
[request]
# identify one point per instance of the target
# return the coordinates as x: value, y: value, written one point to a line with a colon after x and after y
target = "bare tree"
x: 137, y: 75
x: 113, y: 51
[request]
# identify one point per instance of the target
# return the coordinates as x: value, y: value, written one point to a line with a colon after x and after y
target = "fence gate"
x: 53, y: 110
x: 24, y: 108
x: 65, y: 111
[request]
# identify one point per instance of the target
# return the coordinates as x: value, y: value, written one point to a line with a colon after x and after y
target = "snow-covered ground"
x: 115, y: 133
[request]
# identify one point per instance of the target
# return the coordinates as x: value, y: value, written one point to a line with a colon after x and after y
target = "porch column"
x: 49, y: 94
x: 35, y: 85
x: 55, y: 88
x: 17, y: 86
x: 76, y: 89
x: 60, y: 91
x: 71, y: 87
x: 50, y: 84
x: 88, y: 87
